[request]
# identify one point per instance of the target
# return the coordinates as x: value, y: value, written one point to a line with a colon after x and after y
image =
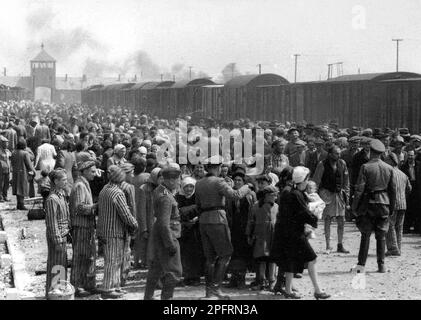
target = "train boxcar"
x: 150, y: 99
x: 355, y: 100
x: 212, y: 101
x: 240, y: 99
x: 186, y: 96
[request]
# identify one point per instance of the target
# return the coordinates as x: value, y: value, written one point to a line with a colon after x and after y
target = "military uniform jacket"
x: 211, y: 192
x: 376, y: 184
x: 167, y: 227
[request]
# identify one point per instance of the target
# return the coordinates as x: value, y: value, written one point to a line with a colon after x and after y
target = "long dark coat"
x: 238, y: 217
x: 291, y: 249
x: 192, y: 256
x: 21, y: 165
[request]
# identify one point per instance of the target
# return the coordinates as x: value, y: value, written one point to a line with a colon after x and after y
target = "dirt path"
x: 402, y: 281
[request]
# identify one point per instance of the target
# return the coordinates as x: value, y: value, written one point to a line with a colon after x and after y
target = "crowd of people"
x: 107, y: 192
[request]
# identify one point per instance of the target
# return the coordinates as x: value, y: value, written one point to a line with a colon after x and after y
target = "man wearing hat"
x: 82, y: 218
x: 415, y: 141
x: 115, y: 221
x: 294, y: 144
x: 166, y: 261
x: 398, y: 143
x: 375, y: 198
x: 11, y: 135
x: 5, y: 155
x: 316, y: 156
x: 211, y: 192
x: 361, y: 157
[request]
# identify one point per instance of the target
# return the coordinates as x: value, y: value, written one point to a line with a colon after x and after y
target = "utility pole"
x: 260, y: 68
x: 296, y: 65
x: 190, y: 71
x: 329, y: 70
x: 162, y: 77
x: 397, y: 53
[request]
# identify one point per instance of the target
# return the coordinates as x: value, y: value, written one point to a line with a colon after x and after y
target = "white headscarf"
x: 187, y: 181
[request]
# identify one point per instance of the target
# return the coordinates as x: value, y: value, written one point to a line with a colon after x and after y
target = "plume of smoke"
x: 62, y: 42
x: 230, y: 71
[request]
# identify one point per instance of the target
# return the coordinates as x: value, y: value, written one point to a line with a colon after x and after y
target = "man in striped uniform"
x: 403, y: 188
x: 115, y: 222
x: 129, y: 192
x: 57, y: 220
x: 82, y: 211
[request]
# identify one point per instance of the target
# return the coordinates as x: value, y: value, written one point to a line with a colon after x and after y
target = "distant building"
x: 43, y: 84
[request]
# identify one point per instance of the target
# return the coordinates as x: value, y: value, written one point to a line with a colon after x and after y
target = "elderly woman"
x: 57, y: 219
x: 295, y: 250
x: 192, y: 257
x: 238, y: 214
x: 22, y: 169
x: 118, y: 156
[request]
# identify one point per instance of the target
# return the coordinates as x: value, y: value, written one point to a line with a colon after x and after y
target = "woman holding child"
x: 294, y: 250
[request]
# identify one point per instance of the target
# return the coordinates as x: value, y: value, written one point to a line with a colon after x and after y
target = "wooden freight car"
x: 186, y: 97
x: 240, y: 98
x: 212, y: 101
x: 368, y: 100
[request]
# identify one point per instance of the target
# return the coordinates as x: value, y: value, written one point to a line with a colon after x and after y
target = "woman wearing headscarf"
x: 23, y: 171
x: 238, y: 214
x: 146, y: 219
x: 295, y: 251
x: 192, y: 257
x: 57, y: 220
x: 118, y: 156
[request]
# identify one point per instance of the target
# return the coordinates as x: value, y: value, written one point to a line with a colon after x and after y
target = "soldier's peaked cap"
x: 170, y: 173
x: 377, y: 146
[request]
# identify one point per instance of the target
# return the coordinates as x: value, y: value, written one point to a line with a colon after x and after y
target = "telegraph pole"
x: 296, y: 65
x: 397, y: 53
x: 260, y: 68
x: 190, y: 71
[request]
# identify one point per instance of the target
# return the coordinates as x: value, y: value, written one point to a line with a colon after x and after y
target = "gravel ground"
x: 402, y: 281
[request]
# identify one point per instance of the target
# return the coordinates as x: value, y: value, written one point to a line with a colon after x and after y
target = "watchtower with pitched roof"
x: 43, y: 74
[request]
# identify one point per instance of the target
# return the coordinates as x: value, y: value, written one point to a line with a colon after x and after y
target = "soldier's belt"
x: 213, y: 208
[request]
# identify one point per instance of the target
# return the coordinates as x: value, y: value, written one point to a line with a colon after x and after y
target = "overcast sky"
x: 209, y: 34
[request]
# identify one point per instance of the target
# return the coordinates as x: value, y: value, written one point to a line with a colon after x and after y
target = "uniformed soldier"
x: 375, y: 196
x: 166, y: 261
x: 211, y: 192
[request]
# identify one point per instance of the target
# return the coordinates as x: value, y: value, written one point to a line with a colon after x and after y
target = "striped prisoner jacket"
x: 114, y: 216
x: 81, y: 205
x: 57, y: 217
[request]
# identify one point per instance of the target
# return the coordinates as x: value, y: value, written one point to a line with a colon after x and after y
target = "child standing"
x: 260, y: 229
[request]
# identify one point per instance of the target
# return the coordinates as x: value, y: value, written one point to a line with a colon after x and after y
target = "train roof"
x: 254, y: 80
x: 192, y: 83
x: 118, y: 86
x: 376, y: 76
